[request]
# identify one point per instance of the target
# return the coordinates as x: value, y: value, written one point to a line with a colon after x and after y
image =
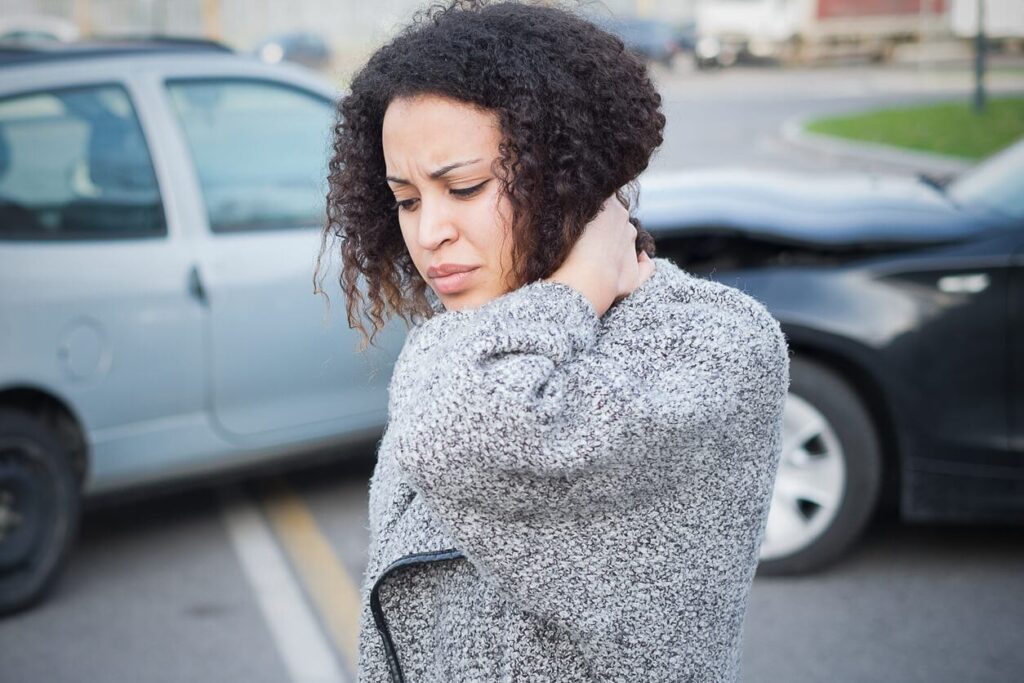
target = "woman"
x: 582, y: 440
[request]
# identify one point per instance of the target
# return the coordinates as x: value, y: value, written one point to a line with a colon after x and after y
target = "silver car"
x: 160, y: 208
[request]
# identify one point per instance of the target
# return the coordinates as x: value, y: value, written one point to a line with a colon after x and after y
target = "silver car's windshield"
x: 996, y: 184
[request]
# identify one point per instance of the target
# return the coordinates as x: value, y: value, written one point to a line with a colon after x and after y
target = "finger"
x: 646, y: 267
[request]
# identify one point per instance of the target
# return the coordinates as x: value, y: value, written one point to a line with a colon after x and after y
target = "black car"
x: 903, y: 303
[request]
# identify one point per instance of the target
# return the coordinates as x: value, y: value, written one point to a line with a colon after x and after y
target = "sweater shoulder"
x: 673, y: 291
x: 684, y: 287
x: 683, y: 319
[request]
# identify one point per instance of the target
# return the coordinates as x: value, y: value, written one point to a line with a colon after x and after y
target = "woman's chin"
x: 464, y: 301
x: 457, y: 302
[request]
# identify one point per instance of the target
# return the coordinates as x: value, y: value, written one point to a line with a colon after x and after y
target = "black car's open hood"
x: 836, y: 210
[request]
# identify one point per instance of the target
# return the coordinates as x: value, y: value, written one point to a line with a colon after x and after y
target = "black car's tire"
x: 847, y: 443
x: 39, y: 509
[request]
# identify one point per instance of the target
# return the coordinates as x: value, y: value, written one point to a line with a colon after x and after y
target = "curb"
x: 793, y: 132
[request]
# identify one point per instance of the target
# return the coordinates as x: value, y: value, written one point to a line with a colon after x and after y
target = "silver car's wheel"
x: 810, y: 482
x: 829, y: 472
x: 39, y: 506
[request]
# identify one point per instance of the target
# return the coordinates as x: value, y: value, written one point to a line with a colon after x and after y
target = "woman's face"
x: 439, y: 154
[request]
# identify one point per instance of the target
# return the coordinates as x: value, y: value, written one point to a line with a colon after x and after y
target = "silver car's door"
x: 95, y: 307
x: 282, y: 366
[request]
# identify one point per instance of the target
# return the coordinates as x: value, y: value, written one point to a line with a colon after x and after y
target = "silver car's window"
x: 74, y: 165
x: 260, y: 151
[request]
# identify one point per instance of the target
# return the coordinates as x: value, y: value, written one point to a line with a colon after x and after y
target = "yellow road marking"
x: 329, y: 586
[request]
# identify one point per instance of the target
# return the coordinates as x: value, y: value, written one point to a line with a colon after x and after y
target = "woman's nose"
x: 437, y: 224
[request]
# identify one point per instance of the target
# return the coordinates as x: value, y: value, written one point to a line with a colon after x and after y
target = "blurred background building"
x: 336, y: 35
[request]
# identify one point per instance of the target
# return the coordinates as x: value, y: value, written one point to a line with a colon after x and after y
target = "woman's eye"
x: 406, y: 204
x: 469, y: 191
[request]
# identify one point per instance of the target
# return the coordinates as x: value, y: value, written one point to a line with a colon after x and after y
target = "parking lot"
x: 159, y: 591
x: 257, y: 580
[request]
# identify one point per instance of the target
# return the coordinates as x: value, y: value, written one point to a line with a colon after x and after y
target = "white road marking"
x: 304, y: 648
x: 330, y: 588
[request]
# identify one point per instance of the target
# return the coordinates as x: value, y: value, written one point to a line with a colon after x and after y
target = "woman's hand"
x: 603, y: 264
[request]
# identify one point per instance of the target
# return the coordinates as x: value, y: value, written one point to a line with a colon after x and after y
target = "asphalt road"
x: 737, y: 117
x: 256, y: 581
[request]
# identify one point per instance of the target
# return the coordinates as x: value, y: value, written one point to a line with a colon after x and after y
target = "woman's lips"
x: 450, y: 284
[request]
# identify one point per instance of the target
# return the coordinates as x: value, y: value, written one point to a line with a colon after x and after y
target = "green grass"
x: 950, y: 128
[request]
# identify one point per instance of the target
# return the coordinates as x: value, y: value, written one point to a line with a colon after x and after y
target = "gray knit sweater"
x: 561, y: 497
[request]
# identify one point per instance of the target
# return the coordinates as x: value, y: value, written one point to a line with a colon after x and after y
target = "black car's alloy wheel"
x: 829, y: 473
x: 39, y: 509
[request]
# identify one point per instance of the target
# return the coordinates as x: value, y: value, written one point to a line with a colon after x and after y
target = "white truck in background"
x: 1004, y: 19
x: 802, y: 31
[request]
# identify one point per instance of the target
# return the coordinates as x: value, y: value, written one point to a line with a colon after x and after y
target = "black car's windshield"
x: 997, y: 184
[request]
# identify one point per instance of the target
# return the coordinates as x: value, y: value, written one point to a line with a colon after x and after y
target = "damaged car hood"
x: 835, y: 210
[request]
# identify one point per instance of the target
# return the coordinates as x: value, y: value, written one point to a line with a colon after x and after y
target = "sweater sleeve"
x: 525, y: 389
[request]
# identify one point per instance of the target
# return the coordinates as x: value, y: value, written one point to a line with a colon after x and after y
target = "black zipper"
x: 394, y: 666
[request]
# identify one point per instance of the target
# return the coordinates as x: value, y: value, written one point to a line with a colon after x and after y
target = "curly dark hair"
x: 579, y: 120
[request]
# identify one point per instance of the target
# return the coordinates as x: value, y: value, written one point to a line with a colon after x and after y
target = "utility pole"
x: 922, y: 24
x: 979, y: 60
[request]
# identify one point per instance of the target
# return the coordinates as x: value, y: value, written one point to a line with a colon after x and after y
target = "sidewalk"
x: 1004, y: 77
x: 793, y: 132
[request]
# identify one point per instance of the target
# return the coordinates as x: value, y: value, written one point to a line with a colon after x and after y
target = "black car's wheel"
x: 39, y: 509
x: 829, y: 474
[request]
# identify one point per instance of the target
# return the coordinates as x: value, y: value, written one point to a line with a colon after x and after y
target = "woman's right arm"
x: 519, y: 390
x: 518, y: 384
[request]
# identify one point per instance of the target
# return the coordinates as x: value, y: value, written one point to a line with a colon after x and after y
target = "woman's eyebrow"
x: 450, y: 167
x: 434, y: 175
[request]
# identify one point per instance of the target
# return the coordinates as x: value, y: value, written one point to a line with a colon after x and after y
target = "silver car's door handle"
x: 195, y: 286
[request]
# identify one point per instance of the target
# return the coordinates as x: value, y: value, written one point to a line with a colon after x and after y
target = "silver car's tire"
x: 829, y: 474
x: 39, y: 509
